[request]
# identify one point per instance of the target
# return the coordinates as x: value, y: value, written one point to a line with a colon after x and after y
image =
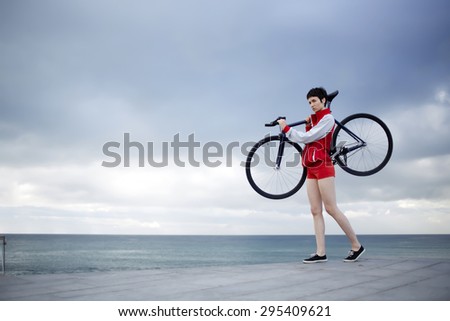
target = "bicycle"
x: 362, y: 145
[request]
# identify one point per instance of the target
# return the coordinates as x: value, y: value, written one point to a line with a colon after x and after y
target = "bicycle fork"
x: 280, y: 151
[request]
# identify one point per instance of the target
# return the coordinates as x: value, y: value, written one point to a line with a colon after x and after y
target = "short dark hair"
x: 317, y: 92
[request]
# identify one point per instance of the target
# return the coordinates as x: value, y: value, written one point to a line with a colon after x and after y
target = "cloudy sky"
x: 75, y: 75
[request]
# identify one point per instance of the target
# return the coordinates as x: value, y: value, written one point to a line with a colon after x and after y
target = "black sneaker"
x: 353, y: 256
x: 316, y: 259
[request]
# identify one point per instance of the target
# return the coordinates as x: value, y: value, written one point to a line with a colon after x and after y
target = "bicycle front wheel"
x: 369, y: 158
x: 270, y: 180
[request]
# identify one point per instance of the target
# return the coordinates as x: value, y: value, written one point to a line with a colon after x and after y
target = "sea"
x: 51, y: 254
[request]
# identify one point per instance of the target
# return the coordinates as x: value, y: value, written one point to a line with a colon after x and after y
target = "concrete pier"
x: 373, y: 279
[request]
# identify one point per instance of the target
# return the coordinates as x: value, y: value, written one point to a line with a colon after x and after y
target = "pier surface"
x: 372, y: 279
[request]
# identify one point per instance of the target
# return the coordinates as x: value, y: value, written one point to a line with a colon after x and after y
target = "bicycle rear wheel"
x: 269, y: 180
x: 365, y: 160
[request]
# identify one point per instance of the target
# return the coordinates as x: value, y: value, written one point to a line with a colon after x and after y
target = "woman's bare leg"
x: 315, y: 201
x: 328, y: 195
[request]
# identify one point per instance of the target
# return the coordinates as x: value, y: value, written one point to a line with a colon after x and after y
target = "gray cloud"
x: 76, y: 74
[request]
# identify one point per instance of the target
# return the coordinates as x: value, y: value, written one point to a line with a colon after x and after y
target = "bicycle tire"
x: 265, y: 178
x: 371, y: 158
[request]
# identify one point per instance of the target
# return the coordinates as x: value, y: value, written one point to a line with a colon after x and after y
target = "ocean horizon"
x: 77, y: 253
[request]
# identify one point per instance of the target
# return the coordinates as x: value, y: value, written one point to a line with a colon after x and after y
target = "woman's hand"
x: 308, y: 120
x: 282, y: 123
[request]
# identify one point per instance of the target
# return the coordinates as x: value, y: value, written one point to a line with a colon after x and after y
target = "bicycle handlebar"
x: 275, y: 122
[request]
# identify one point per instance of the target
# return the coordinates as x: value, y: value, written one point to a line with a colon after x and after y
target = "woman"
x: 320, y: 179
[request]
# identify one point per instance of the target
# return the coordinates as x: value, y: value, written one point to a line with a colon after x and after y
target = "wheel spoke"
x: 274, y: 182
x: 372, y: 157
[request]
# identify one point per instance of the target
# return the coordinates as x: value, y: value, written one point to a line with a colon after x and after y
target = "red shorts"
x: 320, y: 172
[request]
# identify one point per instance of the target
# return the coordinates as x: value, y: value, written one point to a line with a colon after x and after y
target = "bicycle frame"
x: 343, y: 151
x: 361, y: 143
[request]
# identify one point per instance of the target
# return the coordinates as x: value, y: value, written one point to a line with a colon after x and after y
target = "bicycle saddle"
x: 331, y: 96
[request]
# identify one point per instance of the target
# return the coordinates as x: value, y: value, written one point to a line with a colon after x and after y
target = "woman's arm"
x: 319, y: 131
